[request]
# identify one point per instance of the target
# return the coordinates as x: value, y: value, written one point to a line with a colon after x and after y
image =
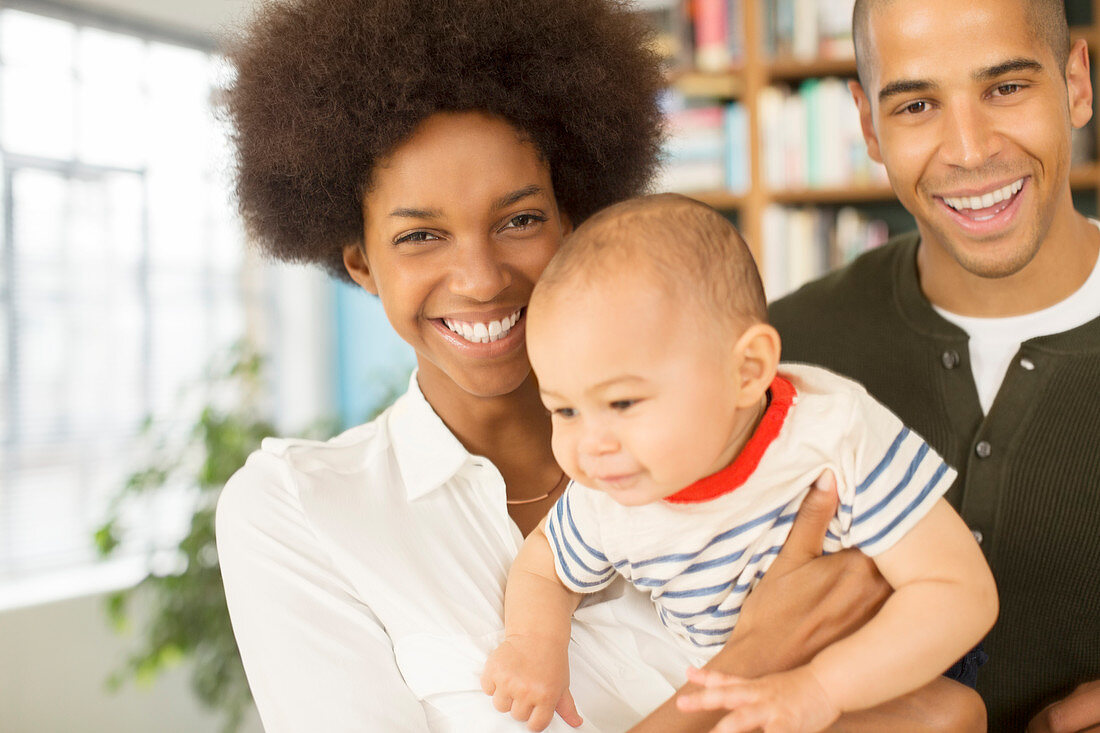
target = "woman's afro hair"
x: 324, y: 89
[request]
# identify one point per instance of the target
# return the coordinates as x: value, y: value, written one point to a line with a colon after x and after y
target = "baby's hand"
x: 786, y: 702
x: 529, y: 678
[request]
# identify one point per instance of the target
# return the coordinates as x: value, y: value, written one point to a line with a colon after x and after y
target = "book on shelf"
x: 808, y: 29
x: 705, y: 149
x: 710, y: 19
x: 811, y: 138
x: 672, y: 32
x: 803, y: 243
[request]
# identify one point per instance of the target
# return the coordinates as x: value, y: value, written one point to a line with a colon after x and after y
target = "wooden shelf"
x: 730, y: 84
x: 721, y: 200
x: 1086, y: 32
x: 796, y: 69
x: 714, y: 85
x: 1083, y: 177
x: 835, y: 195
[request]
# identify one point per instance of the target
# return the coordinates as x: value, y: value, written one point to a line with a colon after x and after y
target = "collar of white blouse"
x: 428, y: 454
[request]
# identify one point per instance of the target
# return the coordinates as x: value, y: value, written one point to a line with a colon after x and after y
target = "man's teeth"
x: 985, y: 200
x: 483, y: 333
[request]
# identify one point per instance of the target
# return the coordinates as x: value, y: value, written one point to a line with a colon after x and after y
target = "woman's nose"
x: 479, y: 271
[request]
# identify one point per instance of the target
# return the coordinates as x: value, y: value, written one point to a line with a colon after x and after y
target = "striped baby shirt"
x: 700, y: 551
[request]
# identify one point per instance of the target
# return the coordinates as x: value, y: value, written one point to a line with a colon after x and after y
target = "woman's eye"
x: 416, y: 237
x: 524, y: 221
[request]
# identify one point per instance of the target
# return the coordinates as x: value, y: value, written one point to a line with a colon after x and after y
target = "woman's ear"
x: 756, y: 354
x: 566, y: 223
x: 355, y: 262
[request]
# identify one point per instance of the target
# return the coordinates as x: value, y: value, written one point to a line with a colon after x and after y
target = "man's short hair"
x: 680, y: 244
x: 1047, y: 20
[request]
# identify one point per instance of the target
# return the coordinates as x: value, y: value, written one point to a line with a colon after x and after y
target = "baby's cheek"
x: 564, y: 450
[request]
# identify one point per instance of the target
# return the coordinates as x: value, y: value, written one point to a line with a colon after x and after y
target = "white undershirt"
x: 995, y: 341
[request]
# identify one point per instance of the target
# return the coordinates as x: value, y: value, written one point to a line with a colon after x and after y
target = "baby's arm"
x: 944, y: 602
x: 528, y: 674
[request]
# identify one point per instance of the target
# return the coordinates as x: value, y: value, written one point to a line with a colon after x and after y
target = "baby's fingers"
x: 743, y: 720
x: 521, y: 711
x: 502, y: 701
x: 567, y: 709
x: 710, y: 678
x: 716, y: 698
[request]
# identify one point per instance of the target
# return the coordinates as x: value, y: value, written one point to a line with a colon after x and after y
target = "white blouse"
x: 365, y: 580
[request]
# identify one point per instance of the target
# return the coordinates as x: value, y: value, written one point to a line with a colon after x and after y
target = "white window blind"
x: 120, y: 273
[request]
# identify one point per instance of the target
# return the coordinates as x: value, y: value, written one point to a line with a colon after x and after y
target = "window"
x: 121, y: 268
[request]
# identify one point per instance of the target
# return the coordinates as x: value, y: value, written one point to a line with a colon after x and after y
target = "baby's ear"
x: 757, y: 359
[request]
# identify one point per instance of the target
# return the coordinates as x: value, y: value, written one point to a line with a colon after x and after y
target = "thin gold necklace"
x: 517, y: 502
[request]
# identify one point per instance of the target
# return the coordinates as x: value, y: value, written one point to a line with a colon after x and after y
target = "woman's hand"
x: 529, y: 678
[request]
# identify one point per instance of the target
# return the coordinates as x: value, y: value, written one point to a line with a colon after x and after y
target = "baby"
x: 691, y: 448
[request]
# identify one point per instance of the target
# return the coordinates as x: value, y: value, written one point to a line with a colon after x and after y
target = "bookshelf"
x: 751, y: 67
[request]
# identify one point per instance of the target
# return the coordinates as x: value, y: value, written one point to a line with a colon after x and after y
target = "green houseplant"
x: 184, y: 607
x: 187, y: 615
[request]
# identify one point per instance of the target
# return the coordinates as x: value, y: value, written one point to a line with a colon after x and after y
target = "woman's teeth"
x: 483, y: 333
x: 985, y: 200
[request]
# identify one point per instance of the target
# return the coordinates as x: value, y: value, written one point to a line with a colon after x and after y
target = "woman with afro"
x: 436, y: 152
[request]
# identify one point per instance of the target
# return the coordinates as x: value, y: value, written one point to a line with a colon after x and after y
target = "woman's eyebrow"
x: 521, y: 193
x: 413, y: 213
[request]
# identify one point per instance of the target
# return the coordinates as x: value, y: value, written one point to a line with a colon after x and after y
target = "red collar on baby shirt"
x: 782, y: 394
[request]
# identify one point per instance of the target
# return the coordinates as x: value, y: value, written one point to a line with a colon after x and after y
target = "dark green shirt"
x: 1029, y: 471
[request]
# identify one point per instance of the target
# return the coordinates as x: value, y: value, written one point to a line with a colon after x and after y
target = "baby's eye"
x: 565, y: 412
x: 621, y: 405
x: 417, y: 237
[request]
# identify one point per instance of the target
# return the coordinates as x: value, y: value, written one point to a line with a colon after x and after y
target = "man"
x: 982, y: 329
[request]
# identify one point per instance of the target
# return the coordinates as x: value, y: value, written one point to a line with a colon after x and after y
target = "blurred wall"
x: 55, y: 656
x: 54, y: 660
x: 203, y: 18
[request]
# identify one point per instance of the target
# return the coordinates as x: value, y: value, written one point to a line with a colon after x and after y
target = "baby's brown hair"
x: 681, y: 244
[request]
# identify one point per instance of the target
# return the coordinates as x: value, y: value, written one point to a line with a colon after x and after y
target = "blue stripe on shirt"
x: 568, y: 515
x: 557, y: 545
x: 886, y: 460
x: 871, y: 511
x: 728, y: 534
x: 909, y: 509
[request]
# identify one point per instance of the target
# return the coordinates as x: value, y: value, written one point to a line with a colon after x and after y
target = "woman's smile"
x: 483, y: 337
x: 480, y: 200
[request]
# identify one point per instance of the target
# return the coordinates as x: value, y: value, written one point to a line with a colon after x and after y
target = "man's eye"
x: 416, y: 237
x: 1005, y: 90
x: 915, y: 108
